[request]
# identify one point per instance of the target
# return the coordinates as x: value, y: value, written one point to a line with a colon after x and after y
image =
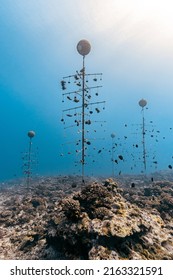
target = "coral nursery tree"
x: 87, y: 107
x: 29, y: 159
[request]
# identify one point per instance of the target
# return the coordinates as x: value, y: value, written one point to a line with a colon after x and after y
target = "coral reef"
x: 98, y: 223
x: 156, y: 197
x: 24, y: 214
x: 58, y: 218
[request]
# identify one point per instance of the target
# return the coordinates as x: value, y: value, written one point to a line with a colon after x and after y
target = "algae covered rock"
x: 98, y: 223
x: 71, y: 208
x: 99, y: 220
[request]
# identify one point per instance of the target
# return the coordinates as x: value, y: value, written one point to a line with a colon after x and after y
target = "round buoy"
x: 83, y: 47
x: 31, y: 134
x: 113, y: 135
x: 142, y: 103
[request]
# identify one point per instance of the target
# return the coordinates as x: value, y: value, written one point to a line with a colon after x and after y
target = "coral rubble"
x: 58, y: 218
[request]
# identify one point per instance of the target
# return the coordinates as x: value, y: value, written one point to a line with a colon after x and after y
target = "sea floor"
x: 128, y: 217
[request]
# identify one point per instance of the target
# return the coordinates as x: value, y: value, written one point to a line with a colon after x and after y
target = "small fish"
x: 88, y: 122
x: 97, y: 110
x: 120, y: 157
x: 99, y: 151
x: 170, y: 166
x: 76, y: 100
x: 76, y: 77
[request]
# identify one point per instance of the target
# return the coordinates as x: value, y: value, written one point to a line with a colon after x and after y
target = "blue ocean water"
x: 38, y: 50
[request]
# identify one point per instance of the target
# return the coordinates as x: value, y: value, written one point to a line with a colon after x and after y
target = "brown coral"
x: 71, y: 208
x: 101, y: 224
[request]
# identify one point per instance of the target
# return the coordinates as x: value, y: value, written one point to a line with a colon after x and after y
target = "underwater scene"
x: 86, y: 157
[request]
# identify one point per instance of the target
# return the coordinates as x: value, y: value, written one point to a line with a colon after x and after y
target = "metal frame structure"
x: 27, y: 159
x: 143, y: 103
x: 83, y: 48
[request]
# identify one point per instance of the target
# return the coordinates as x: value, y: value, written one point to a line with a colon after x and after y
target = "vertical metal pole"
x: 112, y: 159
x: 83, y: 119
x: 29, y: 163
x: 143, y: 140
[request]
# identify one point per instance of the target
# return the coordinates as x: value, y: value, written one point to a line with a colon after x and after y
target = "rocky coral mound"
x: 98, y: 223
x: 157, y: 197
x: 24, y: 214
x: 58, y: 218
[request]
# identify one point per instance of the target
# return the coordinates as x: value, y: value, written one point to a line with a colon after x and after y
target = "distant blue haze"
x: 131, y: 45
